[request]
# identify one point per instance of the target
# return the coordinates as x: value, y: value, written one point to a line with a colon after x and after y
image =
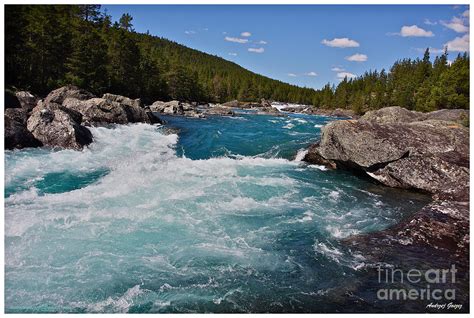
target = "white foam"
x: 301, y: 154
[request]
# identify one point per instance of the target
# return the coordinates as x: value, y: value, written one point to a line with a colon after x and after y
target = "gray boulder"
x: 16, y: 133
x: 59, y: 95
x: 135, y: 103
x: 56, y: 128
x: 27, y: 100
x: 430, y: 155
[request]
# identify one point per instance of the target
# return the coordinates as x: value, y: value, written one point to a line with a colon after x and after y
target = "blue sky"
x: 307, y: 45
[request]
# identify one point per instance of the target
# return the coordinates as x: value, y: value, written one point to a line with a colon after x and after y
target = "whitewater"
x: 198, y: 215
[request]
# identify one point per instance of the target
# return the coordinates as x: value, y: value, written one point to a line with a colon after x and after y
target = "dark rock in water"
x: 153, y: 118
x: 16, y: 133
x: 441, y: 226
x: 11, y: 101
x: 56, y: 128
x: 27, y: 100
x: 59, y: 95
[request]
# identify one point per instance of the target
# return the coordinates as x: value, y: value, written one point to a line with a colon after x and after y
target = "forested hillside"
x: 49, y: 46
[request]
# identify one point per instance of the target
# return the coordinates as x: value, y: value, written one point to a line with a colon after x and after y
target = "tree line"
x: 47, y: 46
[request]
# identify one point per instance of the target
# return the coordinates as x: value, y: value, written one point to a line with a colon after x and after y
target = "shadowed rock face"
x: 16, y: 133
x: 411, y: 150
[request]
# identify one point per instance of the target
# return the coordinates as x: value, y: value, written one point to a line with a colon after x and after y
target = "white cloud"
x: 456, y: 24
x: 414, y: 30
x: 357, y: 58
x: 342, y: 75
x: 236, y: 40
x: 262, y: 42
x: 245, y: 34
x: 189, y: 32
x: 429, y: 22
x: 459, y: 44
x: 337, y: 69
x: 340, y: 42
x: 311, y: 74
x: 292, y: 74
x: 224, y: 33
x: 432, y: 50
x: 466, y: 14
x: 256, y: 50
x: 233, y: 54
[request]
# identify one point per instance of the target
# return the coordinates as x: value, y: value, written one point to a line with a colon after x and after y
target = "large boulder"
x: 427, y: 155
x: 460, y: 116
x: 98, y: 111
x: 16, y: 133
x: 56, y: 128
x: 392, y: 115
x: 59, y: 95
x: 233, y: 104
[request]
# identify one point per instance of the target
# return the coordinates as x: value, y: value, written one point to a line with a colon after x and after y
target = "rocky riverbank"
x: 426, y: 152
x: 62, y: 117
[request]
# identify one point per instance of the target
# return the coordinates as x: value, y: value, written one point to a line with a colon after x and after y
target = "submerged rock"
x: 56, y: 128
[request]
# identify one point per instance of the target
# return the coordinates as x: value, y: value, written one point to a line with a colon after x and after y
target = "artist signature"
x: 445, y: 306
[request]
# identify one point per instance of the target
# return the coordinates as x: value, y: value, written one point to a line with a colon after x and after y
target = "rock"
x: 411, y: 150
x: 219, y: 110
x: 136, y: 103
x: 98, y: 111
x: 426, y: 155
x: 459, y: 116
x: 441, y: 227
x: 233, y: 104
x: 11, y: 101
x: 265, y: 103
x: 56, y: 128
x: 27, y: 100
x: 153, y: 119
x: 16, y: 133
x: 59, y: 95
x: 391, y: 115
x: 157, y: 106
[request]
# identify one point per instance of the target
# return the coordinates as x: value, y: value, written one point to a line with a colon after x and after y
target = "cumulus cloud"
x: 340, y: 42
x: 262, y: 42
x: 311, y: 74
x: 245, y: 34
x: 342, y: 75
x: 189, y: 32
x: 429, y: 22
x: 236, y: 40
x: 414, y: 31
x: 337, y: 69
x: 233, y: 54
x: 466, y: 14
x: 357, y: 58
x: 292, y: 75
x: 456, y: 24
x: 459, y: 44
x: 256, y: 50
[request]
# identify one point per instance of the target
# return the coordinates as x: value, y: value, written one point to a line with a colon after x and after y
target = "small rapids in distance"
x: 218, y: 217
